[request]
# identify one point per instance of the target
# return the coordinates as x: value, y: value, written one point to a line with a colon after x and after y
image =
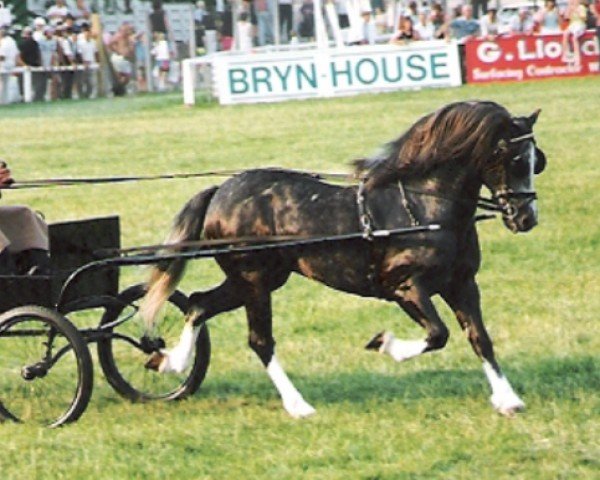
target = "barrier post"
x: 27, y: 88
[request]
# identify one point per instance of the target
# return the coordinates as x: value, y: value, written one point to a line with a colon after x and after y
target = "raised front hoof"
x: 376, y: 342
x: 155, y: 361
x: 508, y: 407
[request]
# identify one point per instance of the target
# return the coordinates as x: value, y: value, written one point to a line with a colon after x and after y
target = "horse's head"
x: 512, y: 182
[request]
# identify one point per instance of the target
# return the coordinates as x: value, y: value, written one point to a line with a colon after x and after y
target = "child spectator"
x: 162, y: 59
x: 577, y: 15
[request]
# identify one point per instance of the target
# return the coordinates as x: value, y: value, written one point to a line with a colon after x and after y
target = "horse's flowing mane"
x: 458, y: 132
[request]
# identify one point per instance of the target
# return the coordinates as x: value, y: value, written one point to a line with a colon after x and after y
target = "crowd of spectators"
x: 382, y: 20
x: 62, y: 47
x: 62, y: 50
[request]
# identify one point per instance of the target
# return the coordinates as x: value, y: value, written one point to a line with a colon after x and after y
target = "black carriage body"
x: 72, y: 244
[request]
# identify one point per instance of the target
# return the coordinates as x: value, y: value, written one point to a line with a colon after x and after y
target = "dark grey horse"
x: 432, y: 174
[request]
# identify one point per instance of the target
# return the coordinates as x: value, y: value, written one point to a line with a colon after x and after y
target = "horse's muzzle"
x: 520, y: 219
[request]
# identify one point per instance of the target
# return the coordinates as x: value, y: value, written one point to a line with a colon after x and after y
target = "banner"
x: 278, y: 76
x: 528, y: 57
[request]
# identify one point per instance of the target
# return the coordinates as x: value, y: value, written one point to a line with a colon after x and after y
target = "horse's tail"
x: 166, y: 275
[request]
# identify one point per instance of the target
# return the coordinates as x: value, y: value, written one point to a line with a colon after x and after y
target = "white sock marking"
x: 179, y: 357
x: 504, y: 399
x: 293, y: 402
x: 401, y: 350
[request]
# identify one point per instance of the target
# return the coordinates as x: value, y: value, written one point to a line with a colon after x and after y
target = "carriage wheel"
x: 46, y: 371
x: 123, y: 354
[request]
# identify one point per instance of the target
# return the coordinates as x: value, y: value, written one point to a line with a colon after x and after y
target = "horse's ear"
x: 533, y: 117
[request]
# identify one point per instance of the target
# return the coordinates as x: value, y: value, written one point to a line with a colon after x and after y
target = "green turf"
x: 427, y: 418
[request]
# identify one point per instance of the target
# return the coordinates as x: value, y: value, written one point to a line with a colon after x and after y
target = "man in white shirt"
x: 86, y: 47
x: 9, y: 53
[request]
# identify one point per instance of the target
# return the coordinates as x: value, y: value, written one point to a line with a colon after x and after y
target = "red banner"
x: 528, y: 57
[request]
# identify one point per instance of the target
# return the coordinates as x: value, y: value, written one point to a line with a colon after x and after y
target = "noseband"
x: 504, y: 199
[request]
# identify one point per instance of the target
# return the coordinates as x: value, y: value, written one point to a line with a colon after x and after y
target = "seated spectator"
x: 23, y: 237
x: 437, y: 19
x: 489, y: 24
x: 405, y: 32
x: 424, y: 29
x: 577, y: 15
x: 548, y: 18
x: 521, y: 22
x: 58, y: 12
x: 465, y: 26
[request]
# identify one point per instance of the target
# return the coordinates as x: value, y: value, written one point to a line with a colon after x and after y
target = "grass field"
x: 429, y: 418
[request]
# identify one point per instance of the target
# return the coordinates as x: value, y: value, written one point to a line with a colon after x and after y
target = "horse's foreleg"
x: 420, y: 308
x: 465, y: 302
x: 260, y: 339
x: 202, y: 306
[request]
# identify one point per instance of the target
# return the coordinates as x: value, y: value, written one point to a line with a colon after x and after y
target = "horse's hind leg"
x: 260, y: 339
x: 202, y: 306
x: 464, y: 301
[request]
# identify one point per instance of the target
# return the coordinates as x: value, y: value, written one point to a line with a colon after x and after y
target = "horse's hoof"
x: 508, y: 407
x: 299, y: 408
x: 155, y: 361
x: 376, y: 342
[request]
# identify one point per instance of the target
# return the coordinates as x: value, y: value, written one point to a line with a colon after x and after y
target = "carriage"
x: 46, y: 368
x: 406, y: 232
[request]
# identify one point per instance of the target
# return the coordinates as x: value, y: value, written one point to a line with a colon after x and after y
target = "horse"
x: 431, y: 175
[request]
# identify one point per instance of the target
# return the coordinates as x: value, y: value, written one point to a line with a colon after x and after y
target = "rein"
x: 63, y: 182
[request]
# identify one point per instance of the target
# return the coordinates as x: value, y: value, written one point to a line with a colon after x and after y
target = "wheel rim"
x: 124, y: 362
x: 40, y: 376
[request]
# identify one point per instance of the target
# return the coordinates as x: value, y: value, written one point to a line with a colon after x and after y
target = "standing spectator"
x: 595, y: 9
x: 58, y: 12
x: 31, y: 56
x: 162, y: 59
x: 39, y: 23
x: 140, y: 46
x: 6, y: 17
x: 412, y: 12
x: 122, y: 54
x: 264, y: 22
x: 49, y: 53
x: 9, y: 56
x: 577, y: 15
x: 342, y: 14
x: 521, y: 22
x: 548, y: 18
x: 369, y: 30
x: 226, y: 30
x: 66, y: 60
x: 489, y: 24
x: 285, y: 19
x: 306, y: 28
x: 158, y: 18
x: 81, y: 13
x: 424, y: 29
x: 244, y: 30
x: 86, y: 46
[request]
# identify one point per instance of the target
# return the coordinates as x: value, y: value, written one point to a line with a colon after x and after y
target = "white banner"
x: 272, y: 77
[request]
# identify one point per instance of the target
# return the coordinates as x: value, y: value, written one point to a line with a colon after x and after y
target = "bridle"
x: 503, y: 199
